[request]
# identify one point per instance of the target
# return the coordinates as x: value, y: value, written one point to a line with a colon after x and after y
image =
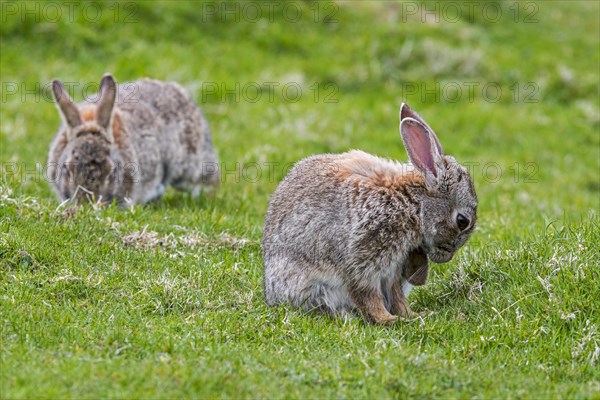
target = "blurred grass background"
x: 533, y: 147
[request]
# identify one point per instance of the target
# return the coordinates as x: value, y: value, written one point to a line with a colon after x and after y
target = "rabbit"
x: 131, y: 144
x: 354, y: 232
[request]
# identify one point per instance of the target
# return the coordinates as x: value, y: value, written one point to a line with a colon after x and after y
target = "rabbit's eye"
x: 462, y: 222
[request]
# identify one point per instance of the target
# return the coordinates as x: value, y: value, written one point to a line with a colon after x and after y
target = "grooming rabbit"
x: 134, y: 141
x: 354, y: 231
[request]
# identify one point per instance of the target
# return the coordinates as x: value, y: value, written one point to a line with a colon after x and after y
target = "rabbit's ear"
x: 407, y: 112
x: 65, y: 104
x: 420, y: 148
x: 108, y: 94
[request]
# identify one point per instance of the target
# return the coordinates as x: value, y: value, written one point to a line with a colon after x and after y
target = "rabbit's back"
x: 165, y: 111
x: 337, y: 191
x: 287, y: 226
x: 169, y: 133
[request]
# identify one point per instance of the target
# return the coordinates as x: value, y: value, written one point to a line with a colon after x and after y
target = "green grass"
x: 166, y: 300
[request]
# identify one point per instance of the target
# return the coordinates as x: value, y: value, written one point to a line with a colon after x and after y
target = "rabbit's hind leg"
x: 205, y: 184
x: 370, y: 301
x: 197, y: 190
x: 154, y: 194
x: 283, y: 280
x: 302, y: 285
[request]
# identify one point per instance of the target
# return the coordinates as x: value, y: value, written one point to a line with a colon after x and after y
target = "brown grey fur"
x: 131, y: 144
x: 354, y: 231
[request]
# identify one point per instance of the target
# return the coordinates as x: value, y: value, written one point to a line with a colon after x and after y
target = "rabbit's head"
x: 87, y: 164
x: 449, y: 205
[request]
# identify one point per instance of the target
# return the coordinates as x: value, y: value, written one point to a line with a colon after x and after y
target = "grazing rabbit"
x: 354, y: 231
x: 129, y: 145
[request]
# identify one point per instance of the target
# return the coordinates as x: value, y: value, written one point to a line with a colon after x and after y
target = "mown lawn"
x: 165, y: 300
